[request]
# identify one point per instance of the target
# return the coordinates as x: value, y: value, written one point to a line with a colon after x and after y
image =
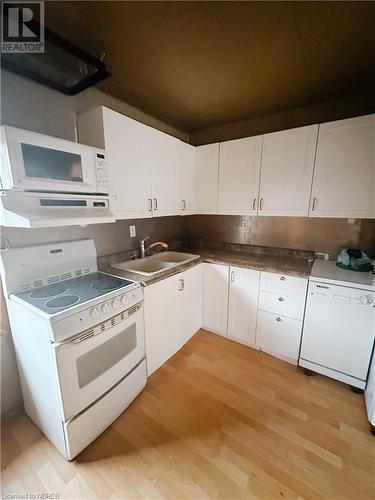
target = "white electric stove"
x: 79, y: 340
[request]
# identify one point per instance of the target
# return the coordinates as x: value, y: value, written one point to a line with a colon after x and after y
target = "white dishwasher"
x: 339, y: 324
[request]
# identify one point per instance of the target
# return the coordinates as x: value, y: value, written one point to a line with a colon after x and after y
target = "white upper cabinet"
x: 207, y: 173
x: 286, y: 171
x: 187, y: 177
x: 344, y: 178
x: 239, y: 167
x: 144, y: 163
x: 129, y: 176
x: 160, y: 154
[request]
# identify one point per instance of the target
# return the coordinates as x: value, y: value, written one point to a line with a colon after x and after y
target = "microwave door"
x: 43, y: 163
x: 88, y: 368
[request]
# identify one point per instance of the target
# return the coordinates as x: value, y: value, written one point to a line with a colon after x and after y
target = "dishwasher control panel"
x: 342, y: 294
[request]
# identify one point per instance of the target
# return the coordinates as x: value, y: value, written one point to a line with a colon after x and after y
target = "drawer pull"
x: 278, y: 319
x: 281, y: 299
x: 282, y: 278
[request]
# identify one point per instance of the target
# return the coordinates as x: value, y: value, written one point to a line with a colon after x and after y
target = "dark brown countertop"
x: 293, y: 263
x: 293, y: 266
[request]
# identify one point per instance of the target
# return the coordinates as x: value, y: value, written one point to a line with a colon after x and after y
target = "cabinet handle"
x: 150, y: 204
x: 314, y: 204
x: 181, y: 285
x: 282, y: 278
x: 261, y: 204
x: 254, y: 204
x: 281, y: 299
x: 232, y: 276
x: 183, y: 204
x: 155, y: 204
x: 278, y: 319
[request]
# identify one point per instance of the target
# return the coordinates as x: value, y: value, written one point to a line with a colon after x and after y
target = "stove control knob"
x: 365, y: 299
x: 115, y: 304
x: 94, y: 313
x: 105, y: 308
x: 124, y: 300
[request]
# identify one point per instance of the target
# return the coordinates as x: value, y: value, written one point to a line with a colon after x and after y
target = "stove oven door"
x: 92, y: 363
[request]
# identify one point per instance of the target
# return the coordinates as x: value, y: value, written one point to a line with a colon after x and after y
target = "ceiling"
x: 196, y: 65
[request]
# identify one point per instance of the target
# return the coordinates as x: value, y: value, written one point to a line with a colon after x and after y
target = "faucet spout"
x: 142, y: 249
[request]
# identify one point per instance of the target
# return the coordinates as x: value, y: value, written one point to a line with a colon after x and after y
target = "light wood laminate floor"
x: 219, y: 420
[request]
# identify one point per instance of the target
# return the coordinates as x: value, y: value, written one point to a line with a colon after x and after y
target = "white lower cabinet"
x: 191, y: 302
x: 281, y: 307
x: 279, y: 335
x: 243, y: 301
x: 230, y: 297
x: 173, y: 313
x: 215, y: 297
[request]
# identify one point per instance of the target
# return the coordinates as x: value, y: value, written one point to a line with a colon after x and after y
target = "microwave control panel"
x: 101, y: 172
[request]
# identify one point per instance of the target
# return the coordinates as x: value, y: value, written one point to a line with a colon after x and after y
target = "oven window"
x: 45, y: 163
x: 97, y: 361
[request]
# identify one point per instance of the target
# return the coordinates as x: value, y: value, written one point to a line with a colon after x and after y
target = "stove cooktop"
x: 65, y: 294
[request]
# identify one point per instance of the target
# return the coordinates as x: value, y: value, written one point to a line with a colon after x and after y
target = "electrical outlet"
x: 132, y: 231
x: 244, y: 224
x: 322, y: 255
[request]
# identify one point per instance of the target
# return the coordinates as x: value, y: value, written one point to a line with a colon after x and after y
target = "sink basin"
x: 155, y: 263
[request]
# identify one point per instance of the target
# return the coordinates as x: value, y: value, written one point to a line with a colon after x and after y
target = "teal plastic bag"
x: 354, y: 260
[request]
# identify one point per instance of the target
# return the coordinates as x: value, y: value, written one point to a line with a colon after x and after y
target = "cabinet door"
x: 207, y: 174
x: 215, y: 297
x: 243, y: 300
x: 162, y: 321
x: 286, y: 171
x: 239, y: 167
x: 344, y: 178
x: 187, y: 176
x: 279, y: 335
x: 191, y: 306
x: 160, y: 152
x: 129, y: 177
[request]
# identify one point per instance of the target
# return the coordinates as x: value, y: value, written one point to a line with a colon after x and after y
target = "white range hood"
x: 22, y: 209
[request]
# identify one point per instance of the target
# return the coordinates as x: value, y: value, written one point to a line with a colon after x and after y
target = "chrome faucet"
x: 142, y: 249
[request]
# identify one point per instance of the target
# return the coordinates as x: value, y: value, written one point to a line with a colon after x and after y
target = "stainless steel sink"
x: 155, y: 264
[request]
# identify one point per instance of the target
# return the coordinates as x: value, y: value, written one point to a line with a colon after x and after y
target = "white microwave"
x: 40, y: 163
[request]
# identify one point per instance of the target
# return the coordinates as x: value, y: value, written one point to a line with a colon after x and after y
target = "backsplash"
x: 302, y: 233
x: 109, y: 238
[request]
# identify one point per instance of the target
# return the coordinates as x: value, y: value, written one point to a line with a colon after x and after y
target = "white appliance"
x: 49, y: 181
x: 79, y: 340
x: 339, y: 324
x: 370, y: 395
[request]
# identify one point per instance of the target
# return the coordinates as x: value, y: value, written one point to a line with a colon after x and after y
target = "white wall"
x: 26, y: 104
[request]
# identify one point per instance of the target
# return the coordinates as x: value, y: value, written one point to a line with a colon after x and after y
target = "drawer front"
x: 83, y: 429
x: 276, y: 283
x: 283, y: 304
x: 279, y: 335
